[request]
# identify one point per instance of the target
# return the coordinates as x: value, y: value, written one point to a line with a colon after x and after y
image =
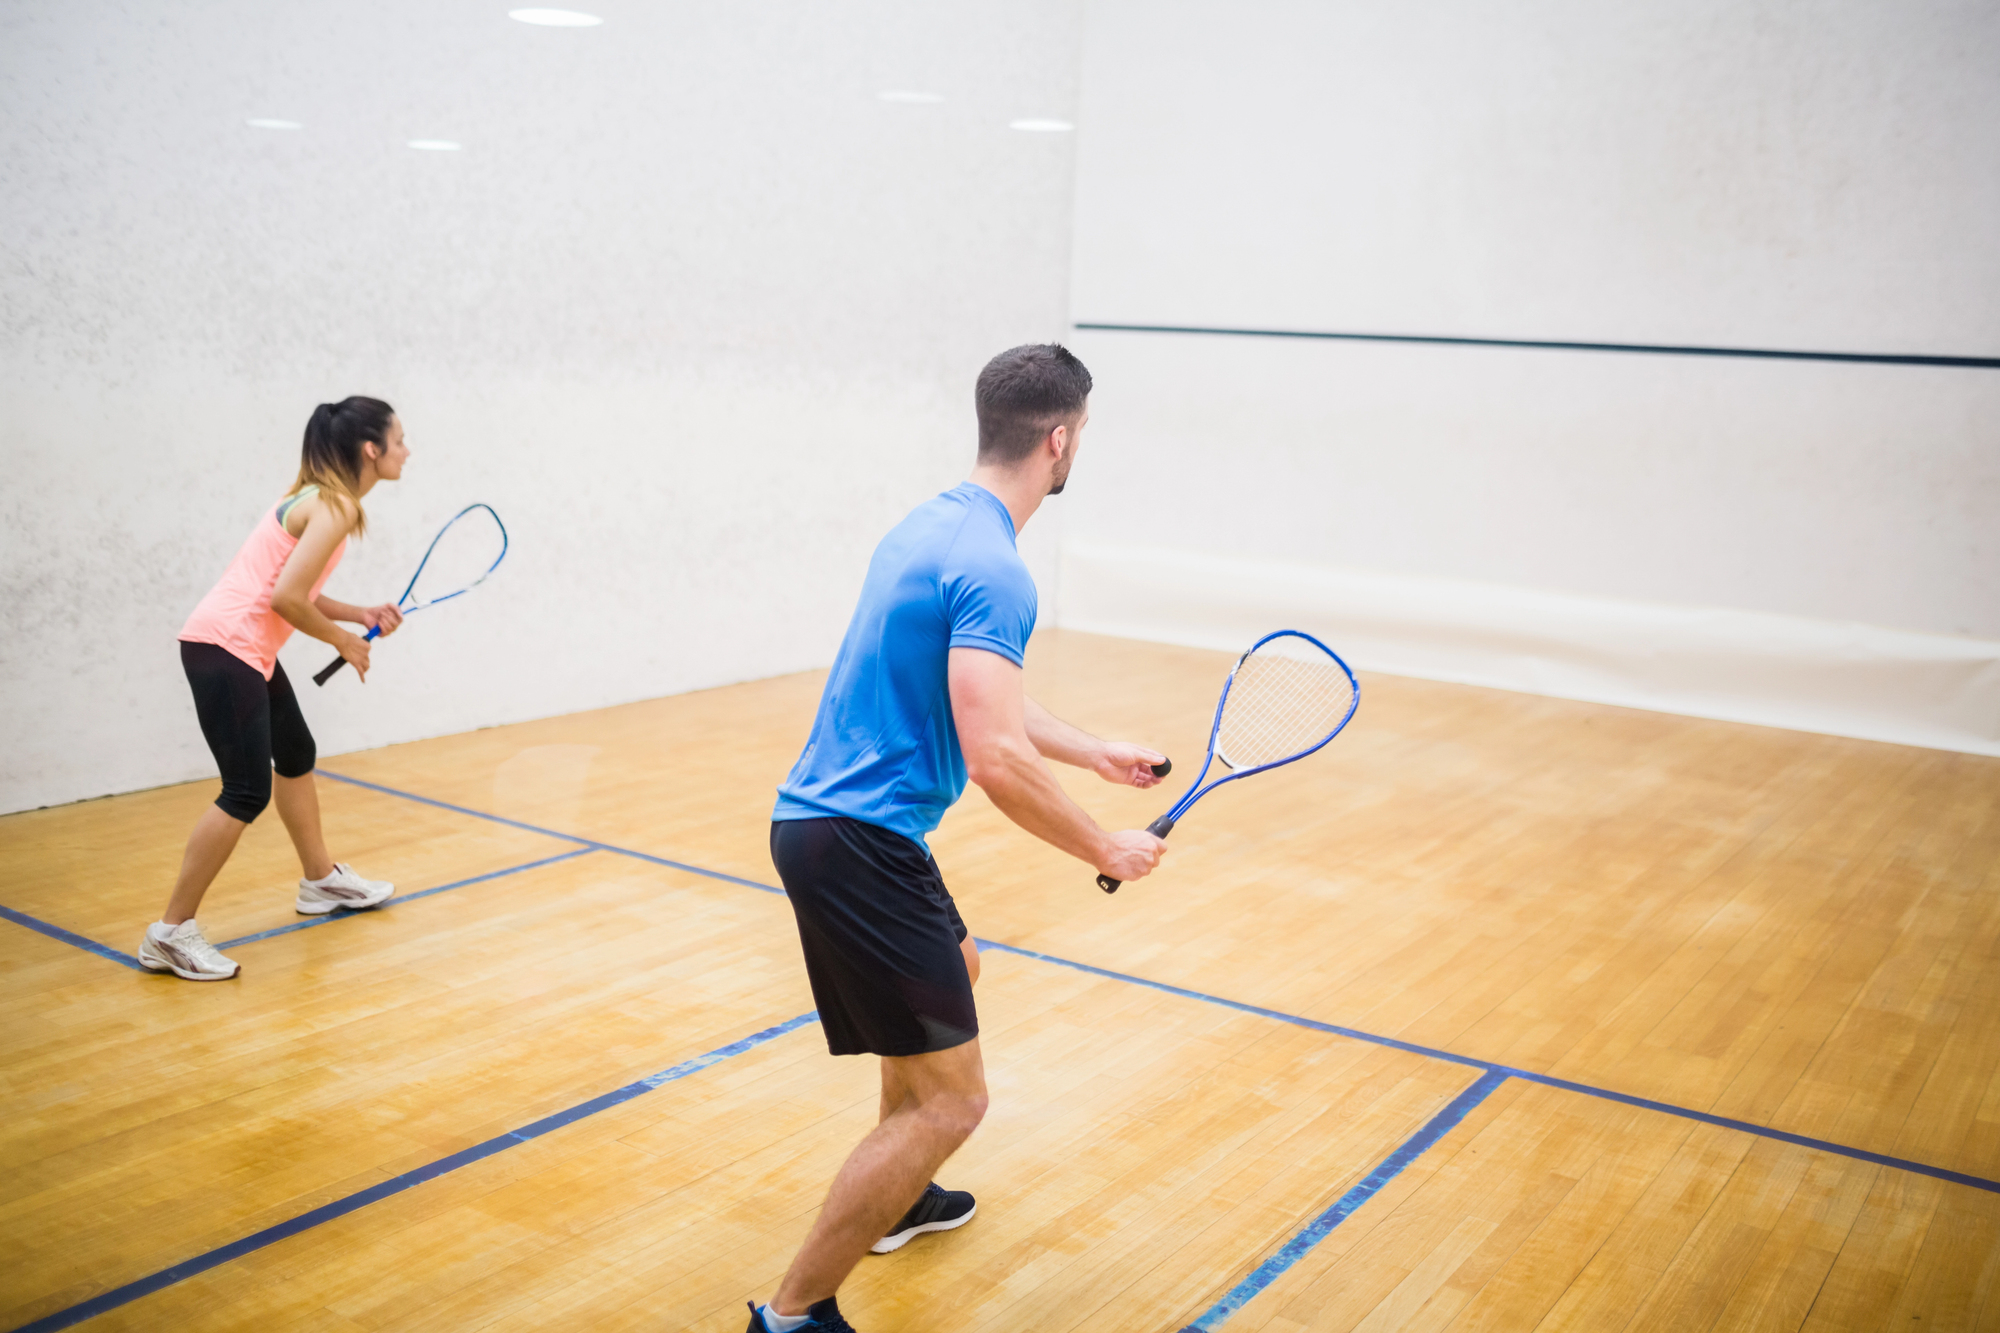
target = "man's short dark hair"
x: 1023, y: 394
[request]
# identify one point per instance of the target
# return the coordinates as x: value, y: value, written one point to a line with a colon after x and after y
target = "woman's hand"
x: 355, y: 649
x: 384, y: 619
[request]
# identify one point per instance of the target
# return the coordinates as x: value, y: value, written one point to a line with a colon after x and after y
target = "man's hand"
x: 1133, y: 854
x: 1006, y: 760
x: 1128, y: 765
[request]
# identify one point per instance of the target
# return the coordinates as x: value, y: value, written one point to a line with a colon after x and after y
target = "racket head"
x: 1285, y: 698
x: 468, y: 548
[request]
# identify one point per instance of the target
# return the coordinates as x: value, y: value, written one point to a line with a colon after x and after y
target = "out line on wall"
x: 1656, y: 349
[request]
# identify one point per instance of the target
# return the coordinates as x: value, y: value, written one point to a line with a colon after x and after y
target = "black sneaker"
x: 821, y: 1317
x: 937, y: 1210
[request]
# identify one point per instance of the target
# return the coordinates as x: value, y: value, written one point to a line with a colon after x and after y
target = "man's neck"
x: 1018, y: 488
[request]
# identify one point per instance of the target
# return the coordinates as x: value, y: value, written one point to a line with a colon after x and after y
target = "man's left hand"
x: 1128, y: 765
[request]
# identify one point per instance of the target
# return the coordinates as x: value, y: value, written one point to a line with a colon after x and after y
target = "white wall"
x: 1751, y: 175
x: 693, y: 309
x: 1757, y: 173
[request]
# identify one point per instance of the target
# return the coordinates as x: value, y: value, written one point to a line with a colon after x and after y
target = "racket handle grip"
x: 1159, y: 828
x: 326, y: 673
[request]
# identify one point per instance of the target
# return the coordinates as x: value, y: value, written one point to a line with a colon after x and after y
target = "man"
x: 926, y: 692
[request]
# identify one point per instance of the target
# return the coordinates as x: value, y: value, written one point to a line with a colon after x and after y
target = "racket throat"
x: 1161, y: 827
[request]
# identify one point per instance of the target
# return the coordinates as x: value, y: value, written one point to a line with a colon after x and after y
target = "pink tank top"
x: 236, y: 614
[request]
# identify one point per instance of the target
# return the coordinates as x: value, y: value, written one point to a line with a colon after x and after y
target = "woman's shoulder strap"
x: 291, y: 502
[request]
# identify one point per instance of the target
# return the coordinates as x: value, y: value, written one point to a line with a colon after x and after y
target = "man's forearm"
x: 1058, y: 740
x: 1020, y: 784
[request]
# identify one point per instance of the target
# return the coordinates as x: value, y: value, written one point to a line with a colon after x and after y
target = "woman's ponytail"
x: 333, y: 455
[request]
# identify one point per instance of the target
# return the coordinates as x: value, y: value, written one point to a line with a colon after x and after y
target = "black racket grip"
x: 325, y: 673
x: 1159, y: 828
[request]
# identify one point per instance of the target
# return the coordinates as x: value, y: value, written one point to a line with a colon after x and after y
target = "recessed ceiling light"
x: 435, y: 145
x: 263, y: 124
x: 912, y: 98
x: 554, y: 18
x: 1041, y: 126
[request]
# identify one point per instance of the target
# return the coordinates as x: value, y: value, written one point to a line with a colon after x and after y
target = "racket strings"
x: 464, y: 552
x: 1279, y: 706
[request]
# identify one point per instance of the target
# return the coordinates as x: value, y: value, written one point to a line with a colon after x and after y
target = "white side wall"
x: 1759, y: 175
x: 693, y: 309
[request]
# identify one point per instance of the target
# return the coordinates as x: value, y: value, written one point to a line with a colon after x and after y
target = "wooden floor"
x: 1788, y: 930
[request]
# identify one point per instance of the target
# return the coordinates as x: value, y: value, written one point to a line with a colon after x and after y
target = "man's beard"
x: 1061, y: 479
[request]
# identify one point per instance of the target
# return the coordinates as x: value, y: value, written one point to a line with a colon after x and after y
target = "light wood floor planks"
x: 1792, y: 930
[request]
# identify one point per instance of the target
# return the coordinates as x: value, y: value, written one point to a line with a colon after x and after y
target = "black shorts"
x: 251, y: 725
x: 881, y: 937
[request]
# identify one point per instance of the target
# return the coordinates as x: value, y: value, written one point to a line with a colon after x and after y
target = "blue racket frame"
x: 1164, y: 825
x: 403, y: 603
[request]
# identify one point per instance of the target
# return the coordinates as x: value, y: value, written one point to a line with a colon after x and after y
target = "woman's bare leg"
x: 298, y: 806
x: 208, y: 848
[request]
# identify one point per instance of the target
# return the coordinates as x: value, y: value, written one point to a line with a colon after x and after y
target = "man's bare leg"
x: 893, y: 1090
x: 943, y: 1099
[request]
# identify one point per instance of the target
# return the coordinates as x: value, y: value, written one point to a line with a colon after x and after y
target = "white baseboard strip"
x: 1932, y: 690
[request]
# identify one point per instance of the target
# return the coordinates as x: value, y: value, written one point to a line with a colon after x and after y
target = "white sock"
x: 160, y: 930
x: 320, y: 883
x: 783, y: 1323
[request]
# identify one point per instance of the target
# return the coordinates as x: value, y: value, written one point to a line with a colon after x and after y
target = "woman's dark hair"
x: 1022, y: 395
x: 332, y: 457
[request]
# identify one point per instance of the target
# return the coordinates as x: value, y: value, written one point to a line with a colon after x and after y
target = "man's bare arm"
x: 991, y: 711
x: 1115, y: 761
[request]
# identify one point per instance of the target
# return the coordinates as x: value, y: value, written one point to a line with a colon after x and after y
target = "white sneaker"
x: 343, y: 888
x: 185, y: 953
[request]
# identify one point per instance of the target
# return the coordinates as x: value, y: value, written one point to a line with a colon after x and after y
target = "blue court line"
x: 70, y: 937
x: 1493, y: 1076
x: 591, y: 843
x: 513, y: 1138
x: 1657, y: 349
x: 1431, y: 1052
x: 341, y: 914
x: 1527, y: 1075
x: 1367, y: 1188
x: 106, y: 951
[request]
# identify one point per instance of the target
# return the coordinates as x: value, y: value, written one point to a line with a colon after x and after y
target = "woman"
x: 251, y: 718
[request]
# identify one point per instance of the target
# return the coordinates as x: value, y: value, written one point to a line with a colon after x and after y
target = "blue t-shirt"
x: 884, y: 748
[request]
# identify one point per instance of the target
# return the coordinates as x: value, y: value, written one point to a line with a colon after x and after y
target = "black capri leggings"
x: 252, y: 724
